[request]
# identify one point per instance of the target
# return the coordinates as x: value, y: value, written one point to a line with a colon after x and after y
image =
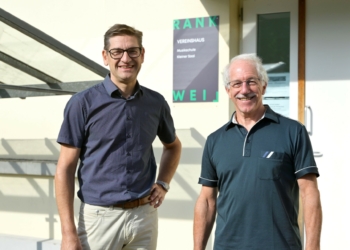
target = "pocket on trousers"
x: 89, y: 216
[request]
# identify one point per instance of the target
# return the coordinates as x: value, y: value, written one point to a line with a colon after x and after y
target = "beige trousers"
x: 112, y: 228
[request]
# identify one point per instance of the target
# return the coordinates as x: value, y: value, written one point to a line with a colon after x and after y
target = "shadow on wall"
x: 42, y: 203
x: 37, y: 159
x: 46, y: 150
x: 191, y: 157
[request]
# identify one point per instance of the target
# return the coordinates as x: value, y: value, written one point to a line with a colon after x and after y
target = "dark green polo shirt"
x: 256, y: 174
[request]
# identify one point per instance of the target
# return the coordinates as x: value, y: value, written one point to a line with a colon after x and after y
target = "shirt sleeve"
x: 166, y: 129
x: 72, y: 128
x: 304, y: 160
x: 208, y: 175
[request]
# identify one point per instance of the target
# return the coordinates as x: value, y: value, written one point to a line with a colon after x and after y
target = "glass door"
x: 270, y: 31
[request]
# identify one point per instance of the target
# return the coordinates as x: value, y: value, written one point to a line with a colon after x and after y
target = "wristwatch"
x: 164, y: 185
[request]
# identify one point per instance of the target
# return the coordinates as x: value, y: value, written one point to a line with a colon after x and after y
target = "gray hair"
x: 246, y: 57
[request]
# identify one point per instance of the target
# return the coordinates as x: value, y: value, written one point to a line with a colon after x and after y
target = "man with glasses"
x: 253, y: 168
x: 110, y: 128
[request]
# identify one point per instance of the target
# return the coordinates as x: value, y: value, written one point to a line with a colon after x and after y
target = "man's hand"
x: 167, y: 167
x: 157, y: 195
x: 71, y: 243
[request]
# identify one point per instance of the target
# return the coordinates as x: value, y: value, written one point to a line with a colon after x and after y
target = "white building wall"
x: 27, y: 206
x: 327, y: 93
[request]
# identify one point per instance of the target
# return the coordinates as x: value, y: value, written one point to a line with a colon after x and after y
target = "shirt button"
x: 128, y: 136
x: 128, y: 118
x: 128, y: 154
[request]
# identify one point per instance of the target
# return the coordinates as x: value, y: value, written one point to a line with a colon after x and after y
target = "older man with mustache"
x: 253, y: 169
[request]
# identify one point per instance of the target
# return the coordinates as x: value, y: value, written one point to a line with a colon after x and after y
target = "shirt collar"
x: 112, y: 88
x: 269, y: 114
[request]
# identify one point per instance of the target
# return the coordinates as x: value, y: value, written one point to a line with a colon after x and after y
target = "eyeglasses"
x: 132, y: 52
x: 252, y: 82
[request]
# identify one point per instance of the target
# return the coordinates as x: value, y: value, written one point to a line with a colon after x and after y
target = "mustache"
x: 126, y: 65
x: 248, y: 96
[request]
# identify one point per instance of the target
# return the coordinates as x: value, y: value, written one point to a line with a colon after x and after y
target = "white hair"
x: 246, y: 57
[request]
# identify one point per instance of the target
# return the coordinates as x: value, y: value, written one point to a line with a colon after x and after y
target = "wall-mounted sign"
x: 196, y: 60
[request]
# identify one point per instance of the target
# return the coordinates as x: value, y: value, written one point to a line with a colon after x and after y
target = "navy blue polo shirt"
x: 115, y: 136
x: 256, y: 174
